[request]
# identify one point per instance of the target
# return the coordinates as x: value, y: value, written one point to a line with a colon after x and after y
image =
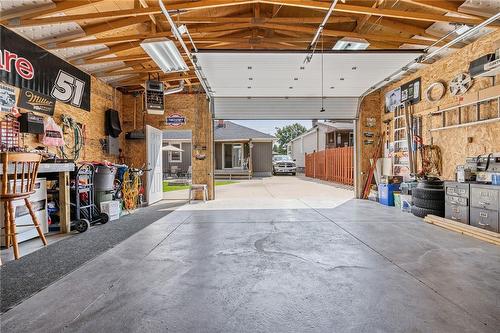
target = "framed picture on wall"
x: 410, y: 92
x: 392, y: 100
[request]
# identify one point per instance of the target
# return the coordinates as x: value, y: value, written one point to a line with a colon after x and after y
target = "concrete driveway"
x: 277, y: 255
x: 274, y: 192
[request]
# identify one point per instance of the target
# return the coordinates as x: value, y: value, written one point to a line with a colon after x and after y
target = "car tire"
x: 430, y: 184
x: 293, y: 173
x: 423, y: 212
x: 428, y: 204
x: 428, y: 193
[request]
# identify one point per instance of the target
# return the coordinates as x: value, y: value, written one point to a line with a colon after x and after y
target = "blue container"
x: 495, y: 179
x: 386, y: 193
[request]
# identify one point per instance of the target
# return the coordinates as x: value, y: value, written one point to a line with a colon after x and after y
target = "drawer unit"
x: 484, y: 196
x: 457, y: 201
x: 484, y: 218
x: 457, y: 189
x: 457, y: 213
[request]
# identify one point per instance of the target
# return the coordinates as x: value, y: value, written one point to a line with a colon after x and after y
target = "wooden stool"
x: 198, y: 187
x: 18, y: 179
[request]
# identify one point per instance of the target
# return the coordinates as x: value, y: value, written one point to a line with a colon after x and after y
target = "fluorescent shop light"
x: 165, y: 54
x: 351, y: 44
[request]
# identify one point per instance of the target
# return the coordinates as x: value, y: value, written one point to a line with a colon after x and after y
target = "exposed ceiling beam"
x: 101, y: 53
x: 94, y: 30
x: 444, y: 6
x: 338, y: 33
x: 192, y: 5
x: 407, y: 15
x: 296, y: 19
x: 11, y: 14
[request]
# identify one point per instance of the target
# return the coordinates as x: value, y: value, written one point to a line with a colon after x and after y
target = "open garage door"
x: 281, y: 85
x: 277, y: 107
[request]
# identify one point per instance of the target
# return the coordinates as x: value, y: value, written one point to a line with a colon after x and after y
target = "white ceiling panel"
x: 235, y: 108
x: 284, y: 74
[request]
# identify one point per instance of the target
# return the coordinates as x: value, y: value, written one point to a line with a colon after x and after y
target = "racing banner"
x: 25, y: 65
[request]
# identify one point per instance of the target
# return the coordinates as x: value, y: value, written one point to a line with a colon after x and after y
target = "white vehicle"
x: 284, y: 164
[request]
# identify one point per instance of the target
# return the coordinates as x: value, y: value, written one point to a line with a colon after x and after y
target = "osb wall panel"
x: 195, y: 108
x: 453, y: 143
x: 369, y: 108
x: 103, y: 97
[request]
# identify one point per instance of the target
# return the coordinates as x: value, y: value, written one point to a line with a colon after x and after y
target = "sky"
x: 268, y: 126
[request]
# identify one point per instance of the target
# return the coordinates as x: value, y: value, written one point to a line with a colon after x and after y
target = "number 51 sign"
x: 68, y: 89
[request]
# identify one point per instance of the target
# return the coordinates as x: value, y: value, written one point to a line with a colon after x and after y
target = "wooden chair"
x: 18, y: 179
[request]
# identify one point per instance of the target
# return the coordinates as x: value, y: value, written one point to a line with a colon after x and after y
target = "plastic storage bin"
x: 386, y: 193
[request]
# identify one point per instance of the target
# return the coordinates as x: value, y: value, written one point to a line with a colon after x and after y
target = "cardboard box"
x: 489, y: 92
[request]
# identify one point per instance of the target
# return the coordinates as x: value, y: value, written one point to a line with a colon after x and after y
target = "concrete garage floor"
x: 277, y: 264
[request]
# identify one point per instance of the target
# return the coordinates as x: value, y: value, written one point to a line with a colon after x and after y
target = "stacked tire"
x: 428, y: 198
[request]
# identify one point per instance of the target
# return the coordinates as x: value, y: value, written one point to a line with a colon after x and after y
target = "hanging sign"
x: 410, y: 92
x: 176, y: 120
x: 33, y: 101
x: 7, y: 97
x: 26, y: 65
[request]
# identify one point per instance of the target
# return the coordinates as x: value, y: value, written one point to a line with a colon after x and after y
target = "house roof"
x: 230, y: 131
x: 330, y: 126
x: 233, y: 131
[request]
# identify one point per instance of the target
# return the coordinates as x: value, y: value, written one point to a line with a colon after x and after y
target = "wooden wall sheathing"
x: 195, y: 108
x: 453, y: 142
x: 102, y: 96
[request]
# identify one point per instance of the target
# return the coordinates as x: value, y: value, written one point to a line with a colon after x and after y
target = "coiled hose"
x: 74, y: 141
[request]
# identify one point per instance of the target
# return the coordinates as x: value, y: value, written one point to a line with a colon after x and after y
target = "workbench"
x: 62, y: 170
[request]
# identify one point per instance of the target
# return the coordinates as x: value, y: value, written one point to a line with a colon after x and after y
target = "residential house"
x: 321, y: 136
x: 239, y: 151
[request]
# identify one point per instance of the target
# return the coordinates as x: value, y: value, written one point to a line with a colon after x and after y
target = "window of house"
x: 176, y: 156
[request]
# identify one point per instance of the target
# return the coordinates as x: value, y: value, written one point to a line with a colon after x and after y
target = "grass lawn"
x: 170, y: 188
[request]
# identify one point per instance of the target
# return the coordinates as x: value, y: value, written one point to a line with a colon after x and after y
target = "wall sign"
x: 33, y: 101
x: 26, y: 65
x: 176, y: 120
x: 392, y: 100
x: 410, y: 92
x: 7, y: 97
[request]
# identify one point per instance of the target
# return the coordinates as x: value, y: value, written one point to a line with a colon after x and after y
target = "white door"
x: 154, y: 177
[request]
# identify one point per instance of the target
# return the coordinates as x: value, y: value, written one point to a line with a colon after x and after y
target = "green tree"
x: 286, y: 134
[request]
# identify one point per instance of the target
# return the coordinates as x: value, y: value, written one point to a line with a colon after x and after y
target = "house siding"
x: 310, y: 142
x: 262, y: 156
x: 186, y: 159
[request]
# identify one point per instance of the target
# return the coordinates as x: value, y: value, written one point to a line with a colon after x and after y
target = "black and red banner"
x: 27, y: 66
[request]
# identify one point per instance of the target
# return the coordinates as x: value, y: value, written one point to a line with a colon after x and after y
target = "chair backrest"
x: 19, y: 167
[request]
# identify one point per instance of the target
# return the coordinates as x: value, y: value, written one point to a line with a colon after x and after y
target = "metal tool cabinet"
x: 457, y: 201
x: 485, y: 203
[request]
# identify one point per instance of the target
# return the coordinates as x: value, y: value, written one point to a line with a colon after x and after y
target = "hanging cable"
x: 72, y: 148
x: 322, y: 74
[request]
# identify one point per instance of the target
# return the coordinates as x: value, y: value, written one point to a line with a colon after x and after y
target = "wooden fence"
x: 333, y: 164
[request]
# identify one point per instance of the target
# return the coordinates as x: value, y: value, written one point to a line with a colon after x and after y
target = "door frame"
x: 242, y: 160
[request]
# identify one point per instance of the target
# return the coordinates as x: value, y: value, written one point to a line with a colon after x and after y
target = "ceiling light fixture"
x: 351, y: 44
x: 165, y: 54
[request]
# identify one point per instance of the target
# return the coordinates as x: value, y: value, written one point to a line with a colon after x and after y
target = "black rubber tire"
x: 430, y: 184
x: 82, y: 225
x: 104, y: 218
x: 428, y: 204
x: 423, y: 212
x: 428, y: 193
x: 293, y: 173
